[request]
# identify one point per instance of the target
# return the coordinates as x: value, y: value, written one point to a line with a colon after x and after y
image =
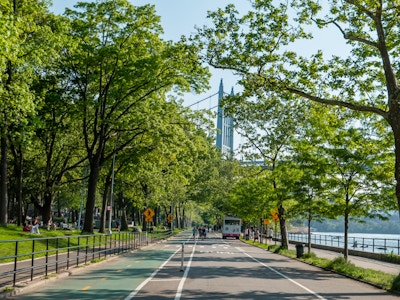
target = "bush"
x: 396, y: 284
x: 340, y: 264
x: 392, y: 258
x: 310, y: 255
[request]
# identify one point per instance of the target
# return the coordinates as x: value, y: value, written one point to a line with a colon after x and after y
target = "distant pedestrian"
x: 256, y: 234
x: 117, y: 225
x: 194, y: 232
x: 247, y: 233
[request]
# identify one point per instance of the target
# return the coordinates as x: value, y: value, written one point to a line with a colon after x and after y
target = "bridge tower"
x: 224, y: 126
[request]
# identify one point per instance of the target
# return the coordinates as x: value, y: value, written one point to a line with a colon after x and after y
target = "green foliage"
x: 309, y: 256
x: 341, y: 265
x: 121, y: 72
x: 392, y: 258
x: 261, y: 46
x: 396, y: 284
x: 95, y: 84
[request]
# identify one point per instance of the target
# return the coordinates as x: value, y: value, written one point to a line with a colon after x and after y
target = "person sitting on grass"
x: 35, y: 227
x: 26, y: 228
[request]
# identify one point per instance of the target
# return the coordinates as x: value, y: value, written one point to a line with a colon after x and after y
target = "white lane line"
x: 165, y: 280
x: 178, y: 294
x: 284, y: 276
x: 133, y: 294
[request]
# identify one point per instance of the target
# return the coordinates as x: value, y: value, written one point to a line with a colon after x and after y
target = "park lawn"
x: 47, y: 240
x: 12, y: 233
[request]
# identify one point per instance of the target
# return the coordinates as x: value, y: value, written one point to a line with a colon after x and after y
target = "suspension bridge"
x: 225, y: 136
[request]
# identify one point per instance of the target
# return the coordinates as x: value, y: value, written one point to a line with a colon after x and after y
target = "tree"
x: 269, y: 138
x: 55, y: 148
x: 28, y: 44
x: 311, y: 188
x: 359, y: 184
x: 249, y: 199
x: 258, y: 47
x: 122, y: 71
x: 212, y: 184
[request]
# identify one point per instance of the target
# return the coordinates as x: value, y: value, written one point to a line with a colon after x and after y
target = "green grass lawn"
x: 14, y: 232
x: 46, y: 238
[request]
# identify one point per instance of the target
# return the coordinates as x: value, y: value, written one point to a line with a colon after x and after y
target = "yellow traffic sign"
x: 170, y: 218
x: 149, y: 219
x: 149, y: 213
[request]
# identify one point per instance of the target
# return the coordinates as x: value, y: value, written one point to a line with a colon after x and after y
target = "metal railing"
x: 366, y: 244
x: 56, y: 254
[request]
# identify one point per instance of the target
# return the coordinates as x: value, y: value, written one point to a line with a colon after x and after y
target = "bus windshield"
x: 232, y: 222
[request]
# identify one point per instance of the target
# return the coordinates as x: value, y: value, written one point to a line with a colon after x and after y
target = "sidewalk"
x: 356, y: 260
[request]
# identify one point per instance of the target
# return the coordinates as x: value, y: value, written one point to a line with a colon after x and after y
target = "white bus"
x: 231, y: 227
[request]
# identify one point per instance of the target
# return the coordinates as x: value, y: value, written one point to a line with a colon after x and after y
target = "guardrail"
x: 55, y: 254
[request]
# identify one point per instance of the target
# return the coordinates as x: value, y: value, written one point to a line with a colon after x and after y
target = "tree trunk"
x: 58, y: 207
x: 124, y: 219
x: 156, y: 215
x: 172, y: 214
x: 396, y: 133
x: 46, y: 208
x: 346, y: 233
x: 18, y: 171
x: 183, y: 218
x: 144, y: 223
x: 282, y: 223
x: 91, y: 197
x: 177, y: 216
x: 103, y: 219
x: 3, y: 180
x: 309, y: 234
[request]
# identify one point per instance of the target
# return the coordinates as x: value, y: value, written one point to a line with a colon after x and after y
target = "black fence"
x: 28, y: 259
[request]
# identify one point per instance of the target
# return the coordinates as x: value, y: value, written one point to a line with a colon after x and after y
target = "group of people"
x: 254, y: 234
x: 33, y: 227
x: 202, y: 232
x: 251, y: 233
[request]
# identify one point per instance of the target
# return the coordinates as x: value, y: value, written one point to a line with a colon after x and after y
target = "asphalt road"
x: 211, y: 269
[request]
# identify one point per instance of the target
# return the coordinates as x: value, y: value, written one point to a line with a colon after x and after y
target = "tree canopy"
x: 93, y: 114
x: 260, y: 47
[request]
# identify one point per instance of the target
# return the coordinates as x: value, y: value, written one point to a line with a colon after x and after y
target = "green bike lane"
x: 114, y: 279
